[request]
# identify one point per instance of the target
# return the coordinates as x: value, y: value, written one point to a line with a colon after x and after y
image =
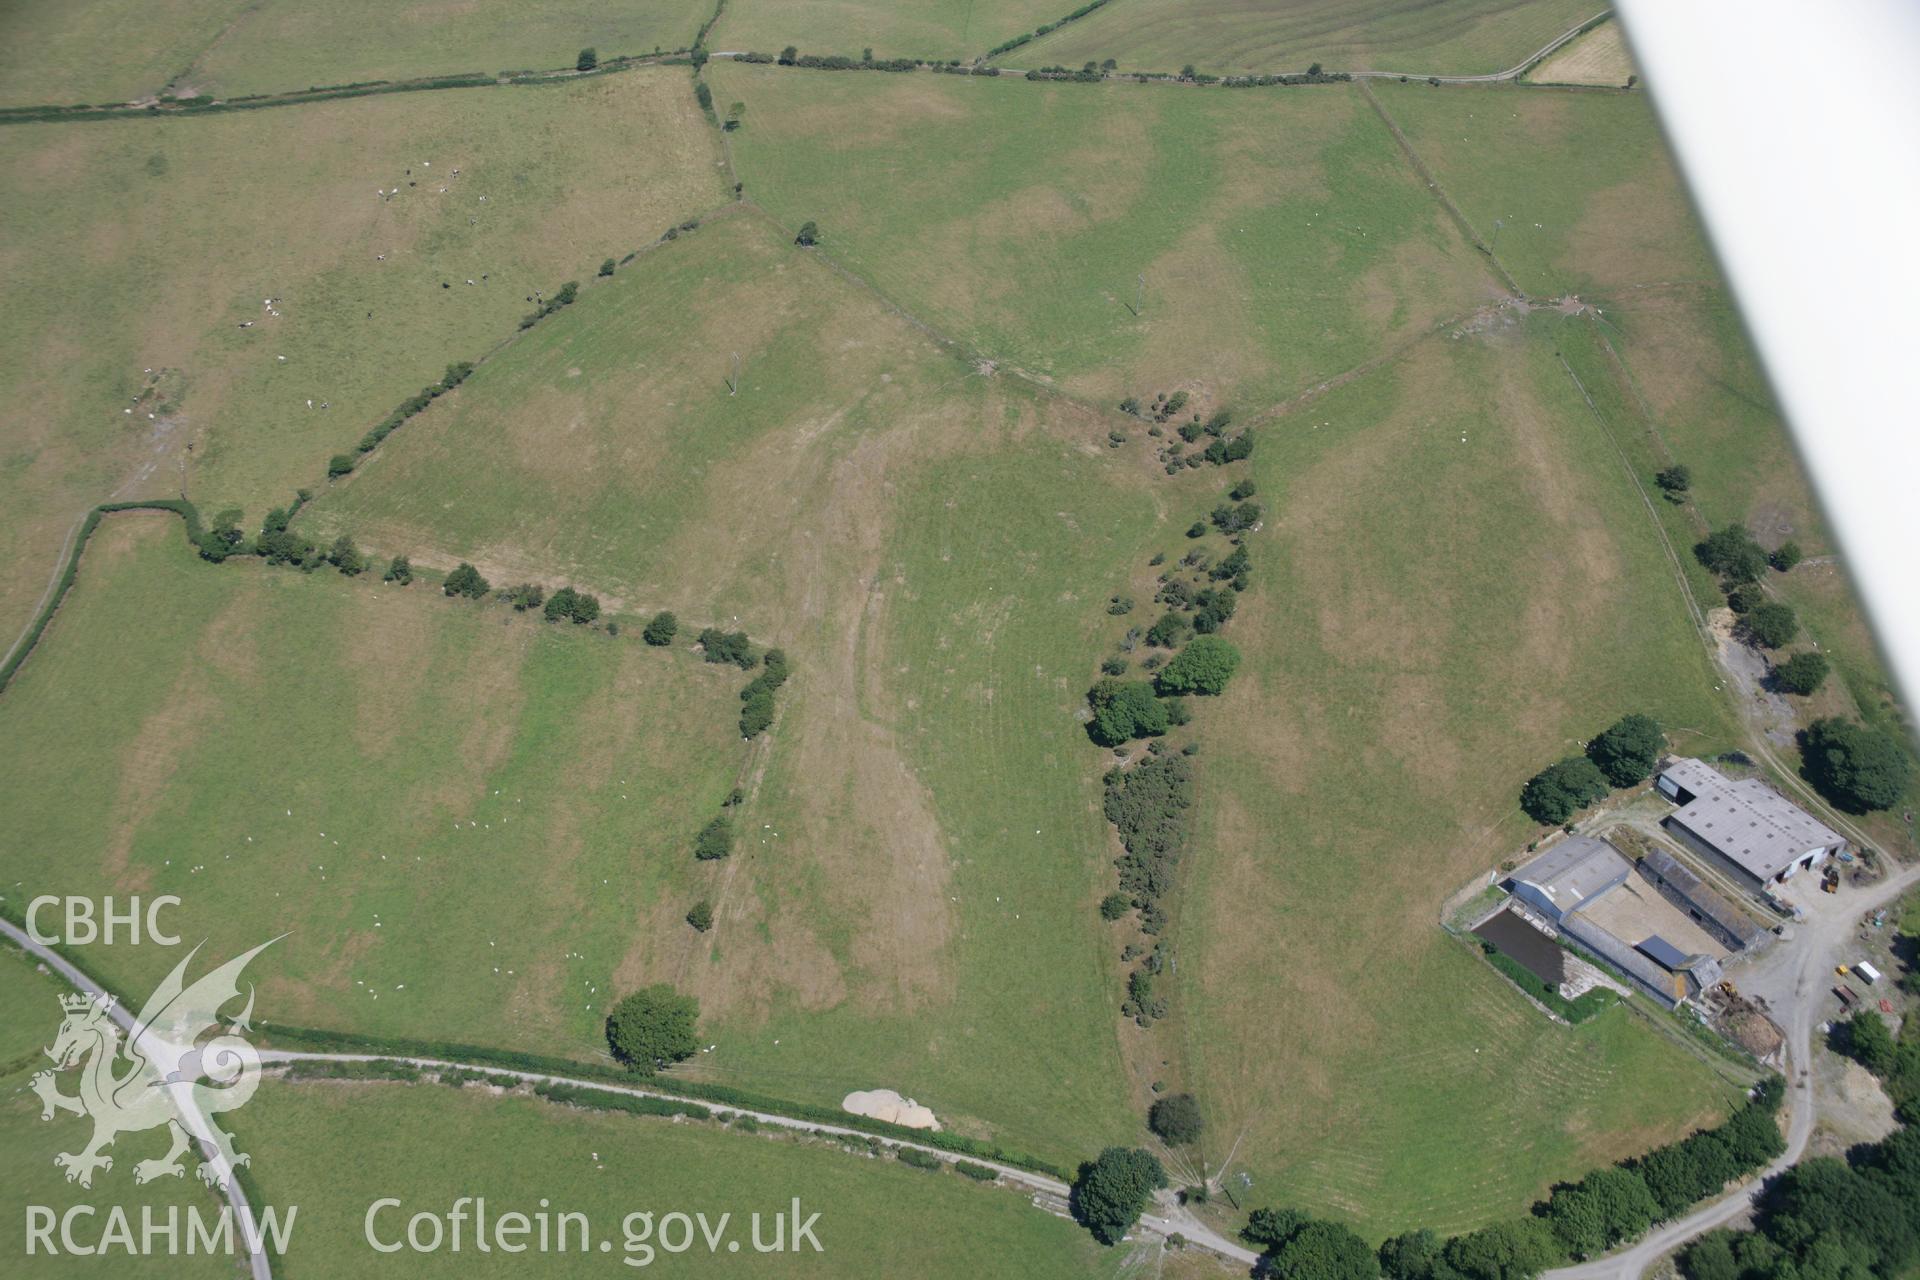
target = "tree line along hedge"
x: 574, y: 1095
x: 1148, y: 803
x: 756, y: 699
x: 316, y: 1040
x: 1622, y: 755
x: 1854, y: 1217
x: 1578, y: 1219
x: 189, y: 515
x: 277, y: 544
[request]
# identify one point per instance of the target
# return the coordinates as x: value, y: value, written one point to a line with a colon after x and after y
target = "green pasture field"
x: 29, y: 1009
x: 335, y: 1148
x: 1665, y: 355
x: 459, y: 816
x: 912, y: 906
x: 1432, y: 619
x: 1239, y: 37
x: 930, y: 29
x: 64, y: 52
x: 30, y: 1016
x: 981, y: 653
x: 28, y: 1176
x: 146, y: 244
x: 1673, y: 371
x: 1588, y: 198
x: 1282, y: 236
x: 282, y: 45
x: 594, y: 445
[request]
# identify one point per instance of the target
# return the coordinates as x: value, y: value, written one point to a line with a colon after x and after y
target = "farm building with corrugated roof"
x: 1745, y: 825
x: 1591, y: 891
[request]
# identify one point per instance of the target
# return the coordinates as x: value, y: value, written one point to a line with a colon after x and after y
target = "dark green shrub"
x: 1147, y: 806
x: 1802, y: 673
x: 1203, y: 667
x: 756, y: 713
x: 575, y: 606
x: 1212, y: 609
x: 346, y: 557
x: 1674, y: 482
x: 466, y: 581
x: 527, y: 595
x: 1560, y: 790
x: 1515, y: 1250
x: 1733, y: 554
x: 1601, y: 1210
x: 1857, y: 768
x: 1124, y: 710
x: 715, y: 840
x: 1236, y: 518
x: 727, y: 646
x: 1771, y: 625
x: 1169, y: 630
x: 1176, y: 1119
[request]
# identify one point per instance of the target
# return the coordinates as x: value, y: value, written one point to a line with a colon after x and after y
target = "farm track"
x: 1757, y: 738
x: 1048, y: 1193
x: 55, y: 113
x: 1426, y: 175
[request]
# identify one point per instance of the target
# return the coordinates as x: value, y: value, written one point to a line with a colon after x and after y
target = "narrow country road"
x: 191, y: 1118
x: 1820, y: 942
x: 1171, y: 1219
x: 1818, y: 947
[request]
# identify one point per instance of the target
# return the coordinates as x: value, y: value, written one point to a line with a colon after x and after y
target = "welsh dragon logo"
x: 161, y: 1075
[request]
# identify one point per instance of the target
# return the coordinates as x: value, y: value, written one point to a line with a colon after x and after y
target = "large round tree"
x: 1112, y: 1191
x: 1858, y: 768
x: 653, y: 1028
x: 1627, y: 750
